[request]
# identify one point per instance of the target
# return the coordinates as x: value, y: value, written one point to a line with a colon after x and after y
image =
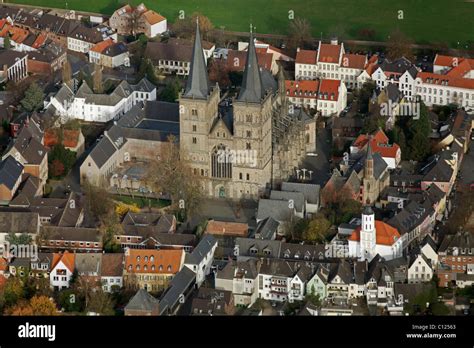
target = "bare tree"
x: 67, y: 72
x: 97, y: 79
x: 171, y: 173
x: 299, y: 33
x: 399, y: 45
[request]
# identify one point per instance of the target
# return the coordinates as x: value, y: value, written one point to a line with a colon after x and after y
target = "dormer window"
x: 169, y: 268
x: 152, y: 258
x: 160, y: 268
x: 138, y: 258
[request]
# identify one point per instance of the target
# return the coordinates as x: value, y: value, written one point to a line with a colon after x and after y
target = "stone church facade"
x: 244, y: 147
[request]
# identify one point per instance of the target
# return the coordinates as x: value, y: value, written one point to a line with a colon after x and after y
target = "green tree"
x: 100, y: 302
x: 317, y: 229
x: 21, y: 239
x: 419, y: 130
x: 7, y: 42
x: 60, y: 154
x: 34, y: 97
x: 171, y: 91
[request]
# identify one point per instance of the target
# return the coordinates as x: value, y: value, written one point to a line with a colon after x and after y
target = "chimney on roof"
x: 334, y: 40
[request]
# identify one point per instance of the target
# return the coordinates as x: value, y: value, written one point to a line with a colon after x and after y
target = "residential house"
x: 225, y: 234
x: 339, y: 280
x: 13, y: 66
x: 88, y: 267
x: 240, y: 278
x: 11, y: 173
x: 317, y: 284
x: 40, y: 267
x: 110, y: 54
x: 47, y: 60
x: 420, y: 269
x: 400, y: 72
x: 267, y: 229
x: 62, y: 269
x: 86, y: 105
x: 310, y: 193
x: 128, y: 20
x: 200, y: 259
x: 442, y: 171
x: 212, y: 302
x: 28, y: 149
x: 82, y: 38
x: 455, y: 254
x: 174, y: 56
x: 281, y: 280
x: 151, y: 270
x: 391, y: 153
x: 379, y: 283
x: 111, y: 272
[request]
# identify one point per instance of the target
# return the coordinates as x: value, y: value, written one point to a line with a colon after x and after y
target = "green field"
x: 425, y: 21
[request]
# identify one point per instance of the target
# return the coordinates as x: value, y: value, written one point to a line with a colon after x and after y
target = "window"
x: 194, y: 128
x: 194, y: 140
x: 194, y: 112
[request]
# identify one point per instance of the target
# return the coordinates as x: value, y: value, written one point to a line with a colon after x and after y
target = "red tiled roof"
x: 101, y: 46
x: 306, y: 57
x: 236, y: 60
x: 446, y: 80
x: 152, y: 17
x: 379, y: 144
x: 354, y: 61
x: 385, y: 234
x: 227, y: 228
x: 329, y: 53
x: 154, y: 261
x: 66, y: 258
x: 329, y: 89
x: 302, y: 89
x: 40, y: 40
x: 16, y: 34
x: 70, y: 138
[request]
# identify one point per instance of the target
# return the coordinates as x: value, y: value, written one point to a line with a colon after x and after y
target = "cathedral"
x: 244, y: 146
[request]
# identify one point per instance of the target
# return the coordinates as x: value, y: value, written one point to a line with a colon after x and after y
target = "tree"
x: 66, y: 72
x: 65, y: 156
x: 100, y: 302
x: 97, y: 79
x: 399, y: 45
x: 22, y: 308
x: 34, y: 97
x: 419, y: 129
x: 317, y: 229
x: 21, y: 239
x: 299, y: 33
x: 185, y: 27
x: 68, y: 300
x: 134, y: 21
x: 7, y: 42
x: 99, y: 203
x: 219, y: 73
x: 43, y: 305
x: 57, y: 168
x: 171, y: 91
x: 12, y: 292
x: 171, y: 173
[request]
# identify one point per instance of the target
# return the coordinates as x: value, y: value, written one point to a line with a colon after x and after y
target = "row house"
x: 452, y: 81
x: 441, y: 171
x: 200, y: 259
x: 455, y: 256
x: 62, y: 269
x: 330, y: 61
x: 95, y: 107
x: 21, y: 40
x: 82, y: 38
x: 280, y: 280
x: 73, y: 239
x: 18, y: 222
x: 13, y: 66
x: 400, y: 72
x: 420, y: 269
x: 240, y: 277
x: 212, y: 302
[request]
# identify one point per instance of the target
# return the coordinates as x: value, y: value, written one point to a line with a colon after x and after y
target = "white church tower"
x: 367, y: 234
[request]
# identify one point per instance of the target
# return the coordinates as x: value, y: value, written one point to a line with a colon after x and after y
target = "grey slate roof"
x: 296, y: 197
x: 142, y: 301
x: 88, y: 262
x: 79, y: 234
x: 102, y: 151
x: 19, y: 222
x: 201, y: 250
x: 267, y: 228
x: 277, y: 209
x: 399, y: 66
x: 115, y: 49
x: 182, y: 281
x: 252, y: 90
x: 310, y: 191
x: 197, y: 85
x: 10, y: 172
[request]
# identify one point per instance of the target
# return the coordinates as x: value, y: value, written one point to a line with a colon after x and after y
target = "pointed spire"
x: 197, y: 85
x: 252, y: 90
x: 369, y: 148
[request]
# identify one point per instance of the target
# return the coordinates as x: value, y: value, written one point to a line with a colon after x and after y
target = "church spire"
x: 252, y: 90
x: 369, y: 161
x: 197, y: 85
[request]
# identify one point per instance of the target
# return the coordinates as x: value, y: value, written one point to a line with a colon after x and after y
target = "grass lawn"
x: 142, y: 202
x: 425, y: 21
